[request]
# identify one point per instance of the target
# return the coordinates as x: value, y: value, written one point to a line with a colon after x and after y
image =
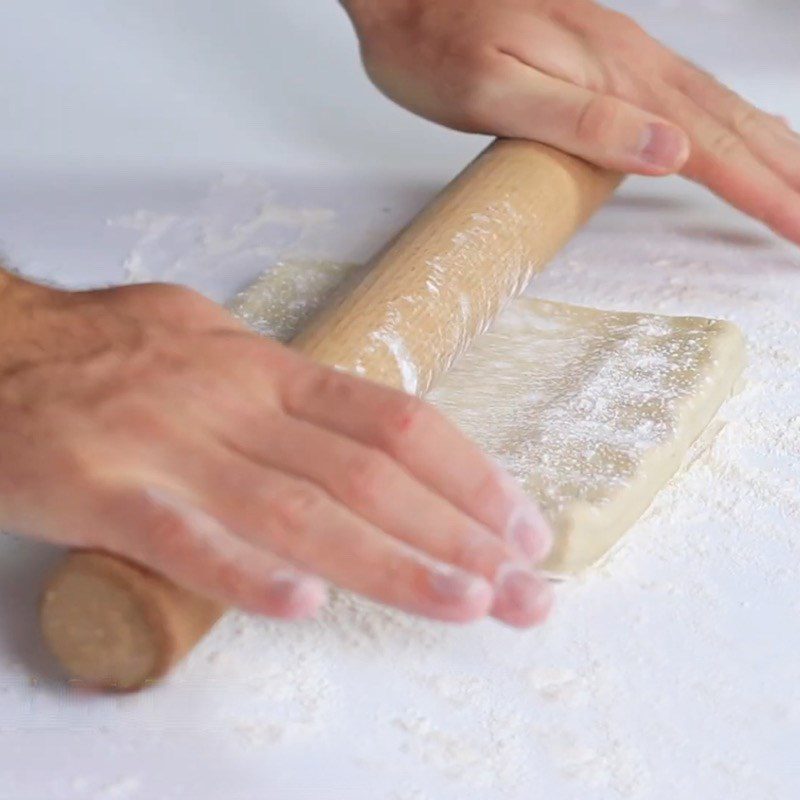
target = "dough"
x: 592, y: 411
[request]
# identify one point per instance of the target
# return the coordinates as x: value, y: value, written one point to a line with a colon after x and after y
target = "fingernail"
x: 521, y: 597
x: 297, y: 595
x: 527, y: 529
x: 663, y: 146
x: 456, y: 585
x: 529, y: 532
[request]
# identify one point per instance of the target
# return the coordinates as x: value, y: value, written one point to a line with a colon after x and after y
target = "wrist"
x: 19, y: 299
x: 16, y: 291
x: 366, y: 13
x: 7, y: 281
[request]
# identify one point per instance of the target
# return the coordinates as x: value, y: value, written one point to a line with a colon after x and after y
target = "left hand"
x: 587, y: 80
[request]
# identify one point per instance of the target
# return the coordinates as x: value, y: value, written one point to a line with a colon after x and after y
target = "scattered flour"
x: 671, y: 667
x: 236, y: 227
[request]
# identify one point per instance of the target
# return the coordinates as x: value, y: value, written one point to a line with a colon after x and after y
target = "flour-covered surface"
x: 592, y: 411
x: 670, y: 672
x: 283, y: 300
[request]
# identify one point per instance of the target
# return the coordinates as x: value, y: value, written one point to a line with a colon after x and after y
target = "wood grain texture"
x: 114, y: 624
x: 435, y: 287
x: 443, y: 280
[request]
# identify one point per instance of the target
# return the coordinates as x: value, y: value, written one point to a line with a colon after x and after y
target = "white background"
x: 671, y: 672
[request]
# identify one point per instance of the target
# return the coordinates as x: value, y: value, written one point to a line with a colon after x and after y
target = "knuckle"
x: 477, y: 550
x: 621, y: 32
x: 297, y: 507
x: 231, y: 582
x: 395, y: 573
x: 488, y: 491
x: 332, y: 384
x: 693, y: 80
x: 747, y: 119
x: 366, y: 476
x: 404, y: 421
x: 725, y: 145
x: 169, y: 534
x: 244, y: 349
x: 597, y: 120
x: 311, y: 381
x: 626, y: 26
x: 474, y: 88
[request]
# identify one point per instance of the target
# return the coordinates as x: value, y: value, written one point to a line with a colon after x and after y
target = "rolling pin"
x: 431, y: 291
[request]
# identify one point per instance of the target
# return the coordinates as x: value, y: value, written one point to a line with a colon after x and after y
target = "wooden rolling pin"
x: 434, y: 288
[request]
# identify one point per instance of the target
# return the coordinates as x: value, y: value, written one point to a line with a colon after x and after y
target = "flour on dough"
x: 592, y: 411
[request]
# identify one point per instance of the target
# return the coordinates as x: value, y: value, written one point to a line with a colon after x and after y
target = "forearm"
x: 13, y: 287
x: 364, y: 14
x: 7, y: 280
x: 21, y: 302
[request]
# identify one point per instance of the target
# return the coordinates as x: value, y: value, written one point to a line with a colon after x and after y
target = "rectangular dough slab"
x: 592, y: 411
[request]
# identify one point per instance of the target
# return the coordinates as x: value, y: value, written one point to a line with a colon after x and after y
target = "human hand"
x: 147, y: 422
x: 587, y: 80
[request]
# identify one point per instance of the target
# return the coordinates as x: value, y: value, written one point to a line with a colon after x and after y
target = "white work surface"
x: 243, y: 133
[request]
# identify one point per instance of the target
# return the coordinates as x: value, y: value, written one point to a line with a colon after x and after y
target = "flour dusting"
x: 671, y: 666
x: 590, y: 411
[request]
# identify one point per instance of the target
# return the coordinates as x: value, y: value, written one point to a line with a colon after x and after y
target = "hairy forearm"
x: 7, y: 280
x: 21, y: 302
x: 15, y: 291
x: 11, y: 287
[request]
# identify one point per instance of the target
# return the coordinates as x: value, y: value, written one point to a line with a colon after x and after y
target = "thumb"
x: 599, y: 128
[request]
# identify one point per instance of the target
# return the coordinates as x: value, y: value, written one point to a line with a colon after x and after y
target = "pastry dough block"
x: 592, y: 411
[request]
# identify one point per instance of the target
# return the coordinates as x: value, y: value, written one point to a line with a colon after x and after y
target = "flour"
x: 590, y: 411
x: 671, y: 666
x: 123, y: 788
x: 236, y: 226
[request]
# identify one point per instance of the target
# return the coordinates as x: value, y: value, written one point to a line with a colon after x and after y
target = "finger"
x: 522, y: 102
x: 723, y: 162
x: 160, y: 529
x: 770, y: 138
x: 301, y: 523
x: 422, y: 441
x: 377, y: 488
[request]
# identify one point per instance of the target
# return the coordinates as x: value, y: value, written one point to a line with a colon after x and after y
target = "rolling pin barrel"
x: 436, y: 286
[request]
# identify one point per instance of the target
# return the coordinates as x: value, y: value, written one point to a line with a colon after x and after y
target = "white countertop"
x: 671, y: 671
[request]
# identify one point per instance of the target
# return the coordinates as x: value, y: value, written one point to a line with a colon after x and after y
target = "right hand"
x: 587, y: 80
x: 147, y: 422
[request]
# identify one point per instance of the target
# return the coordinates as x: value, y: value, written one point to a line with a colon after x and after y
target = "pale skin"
x: 147, y: 422
x: 587, y: 80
